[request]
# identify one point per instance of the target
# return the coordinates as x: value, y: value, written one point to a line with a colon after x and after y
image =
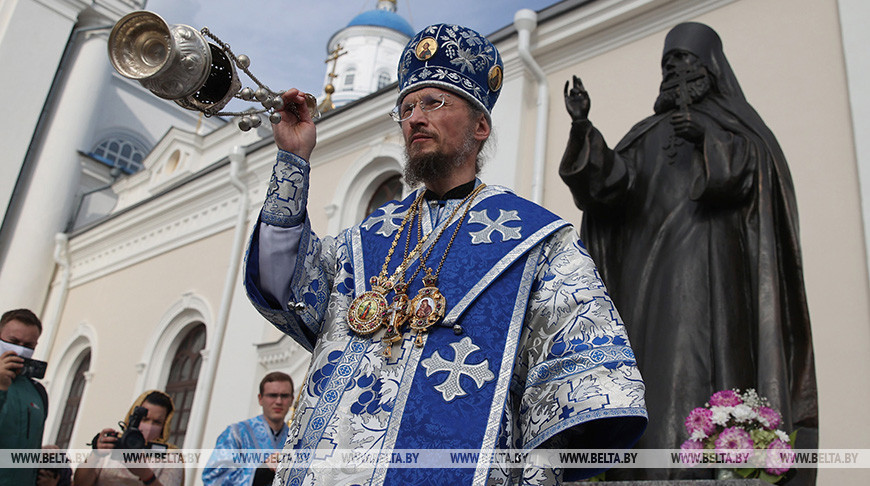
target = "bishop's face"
x: 440, y: 140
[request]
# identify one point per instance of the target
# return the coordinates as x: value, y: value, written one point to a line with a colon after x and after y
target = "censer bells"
x: 177, y: 63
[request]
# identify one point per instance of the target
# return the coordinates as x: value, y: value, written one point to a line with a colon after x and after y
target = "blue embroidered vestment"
x: 542, y: 360
x: 249, y: 435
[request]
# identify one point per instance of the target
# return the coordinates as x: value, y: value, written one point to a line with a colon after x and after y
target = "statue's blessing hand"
x: 577, y: 100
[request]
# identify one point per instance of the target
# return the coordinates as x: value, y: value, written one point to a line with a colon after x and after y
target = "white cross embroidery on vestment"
x: 450, y: 388
x: 484, y: 235
x: 288, y: 187
x: 388, y: 226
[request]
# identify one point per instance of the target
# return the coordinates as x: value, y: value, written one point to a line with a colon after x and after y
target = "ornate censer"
x: 177, y: 63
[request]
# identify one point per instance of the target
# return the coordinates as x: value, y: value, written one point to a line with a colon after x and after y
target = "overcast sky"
x: 286, y: 39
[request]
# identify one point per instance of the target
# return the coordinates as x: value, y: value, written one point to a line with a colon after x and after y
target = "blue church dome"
x: 383, y: 18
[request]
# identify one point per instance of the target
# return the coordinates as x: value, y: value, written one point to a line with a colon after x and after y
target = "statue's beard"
x: 668, y: 99
x: 432, y: 166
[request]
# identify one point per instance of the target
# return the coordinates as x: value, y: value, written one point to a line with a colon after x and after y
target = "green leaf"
x: 762, y: 437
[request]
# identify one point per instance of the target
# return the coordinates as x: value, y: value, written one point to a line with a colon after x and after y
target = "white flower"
x: 698, y: 435
x: 743, y: 413
x: 750, y: 397
x: 781, y: 435
x: 721, y: 415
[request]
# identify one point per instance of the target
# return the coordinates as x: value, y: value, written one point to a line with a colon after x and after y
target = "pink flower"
x: 688, y: 455
x: 769, y: 417
x: 691, y: 445
x: 725, y: 398
x: 779, y: 457
x: 700, y: 419
x: 735, y: 443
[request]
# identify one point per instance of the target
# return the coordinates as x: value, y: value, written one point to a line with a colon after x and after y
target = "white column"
x: 32, y: 40
x: 28, y: 265
x: 853, y: 14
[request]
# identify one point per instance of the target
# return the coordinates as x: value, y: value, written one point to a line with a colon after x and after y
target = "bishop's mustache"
x: 421, y: 131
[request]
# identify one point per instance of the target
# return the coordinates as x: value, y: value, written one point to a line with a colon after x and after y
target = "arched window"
x: 121, y: 152
x: 181, y: 385
x: 383, y: 79
x: 389, y: 190
x: 73, y: 400
x: 349, y: 79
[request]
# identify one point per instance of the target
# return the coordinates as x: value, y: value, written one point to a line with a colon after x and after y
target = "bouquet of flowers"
x: 740, y: 428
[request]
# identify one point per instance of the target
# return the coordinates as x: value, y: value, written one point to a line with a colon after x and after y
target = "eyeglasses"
x: 427, y: 103
x: 275, y: 396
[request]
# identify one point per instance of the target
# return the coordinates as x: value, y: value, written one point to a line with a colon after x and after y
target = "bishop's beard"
x: 432, y: 166
x: 668, y: 99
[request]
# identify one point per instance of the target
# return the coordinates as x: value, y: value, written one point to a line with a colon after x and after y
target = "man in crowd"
x: 430, y: 325
x: 693, y: 222
x: 155, y: 422
x: 23, y: 401
x: 266, y: 432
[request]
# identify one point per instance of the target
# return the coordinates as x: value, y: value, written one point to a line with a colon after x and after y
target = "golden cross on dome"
x: 334, y: 54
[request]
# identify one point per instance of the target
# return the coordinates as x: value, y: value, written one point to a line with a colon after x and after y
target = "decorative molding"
x: 59, y: 381
x: 157, y: 354
x: 282, y: 353
x: 70, y: 10
x: 361, y: 179
x: 597, y: 27
x: 607, y: 25
x: 271, y: 359
x: 340, y: 135
x: 110, y: 10
x: 189, y: 214
x: 190, y: 310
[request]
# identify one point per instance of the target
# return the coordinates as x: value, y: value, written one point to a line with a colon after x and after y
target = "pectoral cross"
x: 680, y: 82
x: 394, y: 319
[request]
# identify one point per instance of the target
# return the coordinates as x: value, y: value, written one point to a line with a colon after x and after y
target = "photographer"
x: 103, y: 469
x: 23, y: 402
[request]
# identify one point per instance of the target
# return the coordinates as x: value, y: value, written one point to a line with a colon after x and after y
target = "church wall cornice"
x: 362, y: 121
x: 111, y: 10
x: 195, y: 207
x: 572, y: 37
x: 190, y: 214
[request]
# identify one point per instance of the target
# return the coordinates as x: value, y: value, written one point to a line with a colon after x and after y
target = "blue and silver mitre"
x: 454, y: 58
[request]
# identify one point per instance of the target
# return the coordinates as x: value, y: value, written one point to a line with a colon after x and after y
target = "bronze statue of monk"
x: 692, y: 222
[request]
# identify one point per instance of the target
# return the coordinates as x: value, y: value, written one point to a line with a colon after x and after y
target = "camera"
x: 132, y: 437
x: 33, y: 368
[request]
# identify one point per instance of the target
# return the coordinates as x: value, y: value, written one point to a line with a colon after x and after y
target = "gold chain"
x: 409, y: 215
x: 469, y: 199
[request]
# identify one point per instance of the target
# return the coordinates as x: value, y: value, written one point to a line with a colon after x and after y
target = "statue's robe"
x: 698, y: 246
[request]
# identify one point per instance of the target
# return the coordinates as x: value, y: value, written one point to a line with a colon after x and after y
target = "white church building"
x: 126, y: 217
